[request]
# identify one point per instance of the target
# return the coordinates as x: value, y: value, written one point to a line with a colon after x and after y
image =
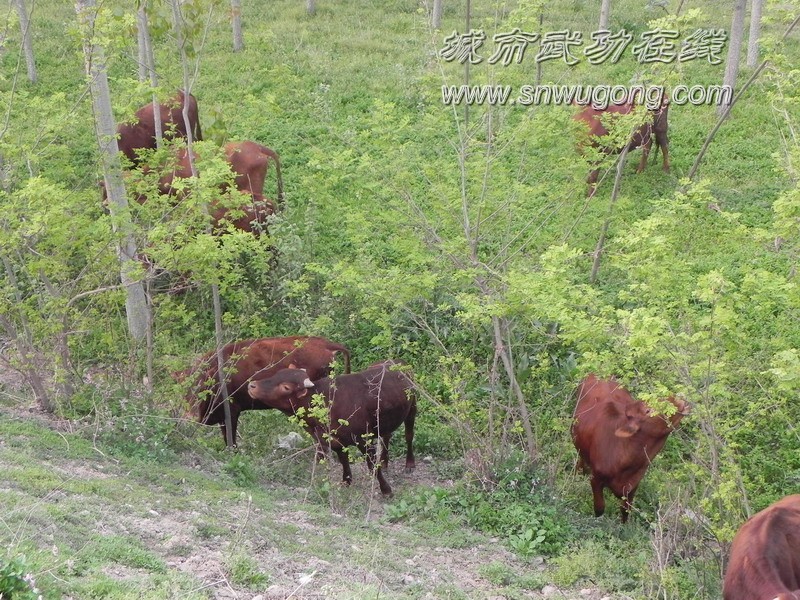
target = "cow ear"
x: 631, y: 424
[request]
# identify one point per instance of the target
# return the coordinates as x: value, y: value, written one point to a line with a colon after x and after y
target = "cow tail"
x: 197, y: 133
x: 346, y: 354
x: 276, y: 159
x: 280, y: 181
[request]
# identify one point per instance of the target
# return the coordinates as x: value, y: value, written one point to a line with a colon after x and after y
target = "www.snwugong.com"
x: 599, y: 96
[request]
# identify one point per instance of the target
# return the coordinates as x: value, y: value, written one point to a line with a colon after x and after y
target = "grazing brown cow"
x: 251, y: 360
x: 654, y: 127
x: 249, y: 162
x: 617, y: 437
x: 369, y: 404
x: 141, y: 133
x: 765, y: 555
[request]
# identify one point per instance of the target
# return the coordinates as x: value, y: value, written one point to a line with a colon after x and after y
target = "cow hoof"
x: 410, y: 468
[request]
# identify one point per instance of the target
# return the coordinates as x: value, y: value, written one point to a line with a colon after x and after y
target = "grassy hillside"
x: 95, y: 517
x: 411, y: 230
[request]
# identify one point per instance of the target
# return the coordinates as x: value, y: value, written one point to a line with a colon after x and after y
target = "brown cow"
x: 370, y: 404
x: 140, y: 134
x: 251, y: 360
x: 656, y: 127
x: 249, y: 162
x: 765, y: 555
x: 617, y: 437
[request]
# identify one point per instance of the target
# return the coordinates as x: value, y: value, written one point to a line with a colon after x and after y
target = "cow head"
x: 641, y: 418
x: 282, y: 390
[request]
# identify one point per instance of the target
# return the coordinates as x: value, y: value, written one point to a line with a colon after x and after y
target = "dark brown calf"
x: 140, y: 134
x: 251, y: 360
x: 617, y: 437
x: 765, y: 555
x: 370, y: 404
x: 656, y: 127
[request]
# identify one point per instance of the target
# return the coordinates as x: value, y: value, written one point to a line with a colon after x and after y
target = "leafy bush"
x: 519, y: 509
x: 241, y: 470
x: 244, y: 570
x: 16, y: 581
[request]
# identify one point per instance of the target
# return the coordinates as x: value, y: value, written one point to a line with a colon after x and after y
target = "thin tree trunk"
x: 436, y: 14
x: 219, y: 339
x: 28, y: 367
x: 24, y: 342
x: 755, y: 33
x: 538, y: 62
x: 236, y: 21
x: 180, y: 36
x: 605, y: 14
x: 734, y: 49
x: 27, y: 43
x: 64, y: 382
x: 147, y: 71
x: 467, y: 26
x: 311, y: 7
x: 105, y: 128
x: 598, y: 251
x: 141, y: 44
x: 146, y: 49
x: 499, y: 328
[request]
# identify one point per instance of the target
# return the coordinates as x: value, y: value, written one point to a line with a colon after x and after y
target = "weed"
x: 244, y: 570
x: 16, y: 581
x: 241, y: 470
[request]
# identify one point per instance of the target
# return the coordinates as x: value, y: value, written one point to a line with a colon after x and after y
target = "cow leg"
x: 224, y: 431
x: 369, y: 452
x: 663, y: 143
x: 597, y: 494
x: 409, y: 425
x: 347, y: 474
x: 234, y: 424
x: 581, y: 466
x: 385, y: 439
x: 645, y: 153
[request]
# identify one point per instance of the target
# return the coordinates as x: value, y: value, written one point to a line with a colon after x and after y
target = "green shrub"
x: 16, y: 581
x: 244, y: 570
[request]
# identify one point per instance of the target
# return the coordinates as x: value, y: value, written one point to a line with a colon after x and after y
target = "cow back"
x: 376, y: 400
x: 764, y: 560
x: 256, y: 359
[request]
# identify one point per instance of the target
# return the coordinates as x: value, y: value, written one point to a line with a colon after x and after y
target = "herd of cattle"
x: 616, y: 436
